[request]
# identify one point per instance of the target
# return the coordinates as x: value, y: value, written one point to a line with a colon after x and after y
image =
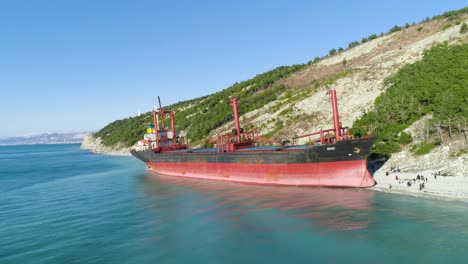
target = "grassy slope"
x: 201, y: 115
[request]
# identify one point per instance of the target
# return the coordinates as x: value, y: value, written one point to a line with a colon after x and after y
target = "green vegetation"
x: 215, y: 110
x: 458, y: 153
x: 125, y: 131
x: 290, y: 98
x: 405, y: 138
x: 424, y: 149
x: 451, y: 15
x: 336, y: 77
x: 395, y: 29
x: 202, y: 115
x: 447, y: 26
x: 371, y: 37
x: 463, y: 28
x: 382, y: 148
x: 436, y: 85
x: 353, y: 44
x: 278, y: 126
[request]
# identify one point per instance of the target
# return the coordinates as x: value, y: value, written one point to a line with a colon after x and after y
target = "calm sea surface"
x: 60, y: 204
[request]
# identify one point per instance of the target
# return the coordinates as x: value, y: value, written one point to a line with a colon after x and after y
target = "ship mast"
x: 161, y: 112
x: 236, y: 118
x: 156, y: 126
x: 336, y: 116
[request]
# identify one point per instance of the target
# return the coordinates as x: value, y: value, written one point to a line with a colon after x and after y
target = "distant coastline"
x: 41, y: 144
x: 45, y: 138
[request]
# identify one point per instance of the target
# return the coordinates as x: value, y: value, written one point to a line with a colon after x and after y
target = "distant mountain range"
x: 45, y: 138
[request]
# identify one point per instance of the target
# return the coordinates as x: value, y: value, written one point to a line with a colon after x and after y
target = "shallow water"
x: 60, y: 204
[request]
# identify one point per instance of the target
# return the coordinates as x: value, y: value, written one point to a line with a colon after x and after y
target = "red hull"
x: 351, y: 173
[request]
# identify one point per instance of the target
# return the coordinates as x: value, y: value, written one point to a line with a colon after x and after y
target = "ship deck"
x: 251, y: 149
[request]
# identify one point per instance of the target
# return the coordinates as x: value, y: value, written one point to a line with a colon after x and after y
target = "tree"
x: 395, y: 29
x: 353, y: 44
x: 371, y: 37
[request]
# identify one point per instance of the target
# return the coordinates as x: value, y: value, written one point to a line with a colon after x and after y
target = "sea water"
x: 61, y: 204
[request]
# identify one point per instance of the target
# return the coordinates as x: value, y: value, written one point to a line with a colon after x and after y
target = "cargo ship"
x: 331, y: 158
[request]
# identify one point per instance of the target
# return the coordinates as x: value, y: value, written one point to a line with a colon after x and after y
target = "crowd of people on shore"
x: 420, y: 179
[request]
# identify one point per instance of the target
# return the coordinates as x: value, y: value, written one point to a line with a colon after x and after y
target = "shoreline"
x: 441, y: 187
x: 110, y: 153
x: 95, y: 146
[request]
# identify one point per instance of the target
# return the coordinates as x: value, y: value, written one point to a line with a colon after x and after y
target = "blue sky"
x: 77, y: 65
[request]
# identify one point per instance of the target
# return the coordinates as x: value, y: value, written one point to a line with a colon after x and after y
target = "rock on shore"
x: 95, y: 145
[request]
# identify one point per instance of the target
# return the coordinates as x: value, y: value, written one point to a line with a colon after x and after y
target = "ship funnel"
x: 236, y: 118
x: 336, y: 116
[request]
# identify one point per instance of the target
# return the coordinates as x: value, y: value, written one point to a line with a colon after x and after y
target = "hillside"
x: 370, y: 76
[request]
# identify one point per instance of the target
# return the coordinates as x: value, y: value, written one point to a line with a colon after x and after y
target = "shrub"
x: 424, y: 149
x: 419, y: 28
x: 386, y: 148
x: 405, y: 138
x: 286, y: 111
x: 447, y: 26
x: 459, y: 153
x: 463, y: 28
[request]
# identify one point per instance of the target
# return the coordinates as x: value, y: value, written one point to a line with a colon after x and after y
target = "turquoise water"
x: 60, y: 204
